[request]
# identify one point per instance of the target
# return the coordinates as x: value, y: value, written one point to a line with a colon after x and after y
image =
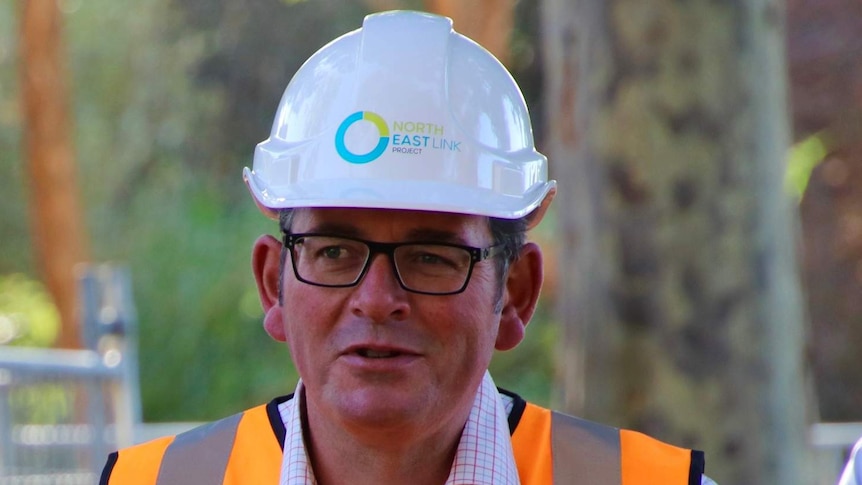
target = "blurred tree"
x: 15, y: 232
x: 488, y: 22
x: 256, y: 46
x: 159, y: 197
x: 825, y: 53
x: 683, y: 310
x: 56, y: 219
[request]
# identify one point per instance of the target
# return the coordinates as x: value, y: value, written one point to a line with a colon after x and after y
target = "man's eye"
x: 430, y: 258
x: 332, y: 252
x: 436, y: 259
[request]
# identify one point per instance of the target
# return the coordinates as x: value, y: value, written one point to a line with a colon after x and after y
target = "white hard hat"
x: 403, y: 113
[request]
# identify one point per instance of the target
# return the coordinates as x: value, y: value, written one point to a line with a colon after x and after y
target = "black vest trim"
x: 698, y: 467
x: 275, y: 418
x: 518, y: 406
x: 109, y: 467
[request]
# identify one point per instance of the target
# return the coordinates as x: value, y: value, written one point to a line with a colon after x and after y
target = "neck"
x: 342, y: 454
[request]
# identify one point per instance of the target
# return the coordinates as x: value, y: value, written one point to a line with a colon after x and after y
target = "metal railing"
x: 63, y: 411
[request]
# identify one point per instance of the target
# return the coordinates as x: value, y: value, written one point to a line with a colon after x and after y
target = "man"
x: 402, y: 171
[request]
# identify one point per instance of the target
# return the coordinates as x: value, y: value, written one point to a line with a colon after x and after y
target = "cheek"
x: 305, y: 314
x: 476, y: 323
x: 305, y: 340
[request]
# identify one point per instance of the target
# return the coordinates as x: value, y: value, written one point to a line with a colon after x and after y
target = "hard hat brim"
x: 386, y: 194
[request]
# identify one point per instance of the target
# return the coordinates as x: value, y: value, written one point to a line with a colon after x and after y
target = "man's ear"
x: 265, y: 263
x: 523, y: 285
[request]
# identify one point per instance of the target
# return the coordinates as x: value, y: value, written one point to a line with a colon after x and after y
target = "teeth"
x: 374, y: 354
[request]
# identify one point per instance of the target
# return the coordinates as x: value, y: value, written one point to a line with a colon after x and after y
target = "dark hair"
x: 510, y: 233
x: 285, y: 220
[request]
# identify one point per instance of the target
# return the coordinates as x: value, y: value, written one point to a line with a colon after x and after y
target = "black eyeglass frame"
x: 476, y: 255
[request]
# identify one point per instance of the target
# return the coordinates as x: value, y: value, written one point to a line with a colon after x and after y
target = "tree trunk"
x: 668, y: 132
x: 826, y: 85
x: 58, y: 231
x: 488, y: 22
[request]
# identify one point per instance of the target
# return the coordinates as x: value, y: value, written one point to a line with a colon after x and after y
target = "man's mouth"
x: 377, y: 354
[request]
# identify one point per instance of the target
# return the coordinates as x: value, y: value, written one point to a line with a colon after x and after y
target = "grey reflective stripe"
x: 584, y: 452
x: 199, y: 456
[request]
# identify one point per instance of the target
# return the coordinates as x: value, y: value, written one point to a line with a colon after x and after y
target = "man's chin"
x: 382, y: 409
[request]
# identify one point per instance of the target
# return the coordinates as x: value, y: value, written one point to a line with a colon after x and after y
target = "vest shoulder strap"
x: 552, y: 447
x: 210, y: 444
x: 241, y: 449
x: 581, y: 445
x: 236, y: 450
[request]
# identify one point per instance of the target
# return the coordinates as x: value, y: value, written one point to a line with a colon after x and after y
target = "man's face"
x: 376, y: 355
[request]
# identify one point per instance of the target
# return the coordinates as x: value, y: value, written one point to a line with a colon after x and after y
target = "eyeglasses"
x: 430, y: 268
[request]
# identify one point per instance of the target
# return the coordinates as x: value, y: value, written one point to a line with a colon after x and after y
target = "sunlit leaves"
x: 27, y: 313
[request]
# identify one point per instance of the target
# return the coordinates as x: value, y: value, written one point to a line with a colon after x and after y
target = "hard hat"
x: 403, y: 113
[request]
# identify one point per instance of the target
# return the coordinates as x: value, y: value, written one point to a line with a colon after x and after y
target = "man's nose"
x: 378, y: 295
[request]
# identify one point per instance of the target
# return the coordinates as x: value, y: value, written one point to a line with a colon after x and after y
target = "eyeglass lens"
x: 335, y: 261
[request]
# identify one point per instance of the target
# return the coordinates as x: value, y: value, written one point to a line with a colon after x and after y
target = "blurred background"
x: 704, y: 257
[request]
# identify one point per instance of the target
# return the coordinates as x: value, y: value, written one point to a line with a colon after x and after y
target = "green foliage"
x: 203, y: 351
x: 14, y: 241
x: 45, y: 403
x: 167, y: 197
x: 28, y: 316
x: 804, y: 156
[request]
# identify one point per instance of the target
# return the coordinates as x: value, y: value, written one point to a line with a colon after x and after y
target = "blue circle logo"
x: 359, y: 158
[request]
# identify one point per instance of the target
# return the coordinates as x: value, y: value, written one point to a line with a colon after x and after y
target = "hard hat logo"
x: 375, y: 153
x: 408, y: 138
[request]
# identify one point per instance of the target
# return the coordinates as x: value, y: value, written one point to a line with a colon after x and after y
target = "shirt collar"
x: 483, y: 457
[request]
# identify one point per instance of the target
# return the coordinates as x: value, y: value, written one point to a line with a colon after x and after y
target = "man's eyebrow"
x: 427, y: 234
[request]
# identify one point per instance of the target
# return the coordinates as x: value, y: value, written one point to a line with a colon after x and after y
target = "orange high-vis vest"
x: 549, y: 448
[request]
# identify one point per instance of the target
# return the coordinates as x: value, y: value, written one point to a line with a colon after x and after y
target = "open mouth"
x: 377, y: 354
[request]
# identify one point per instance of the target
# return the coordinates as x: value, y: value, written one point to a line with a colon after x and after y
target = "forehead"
x: 382, y: 224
